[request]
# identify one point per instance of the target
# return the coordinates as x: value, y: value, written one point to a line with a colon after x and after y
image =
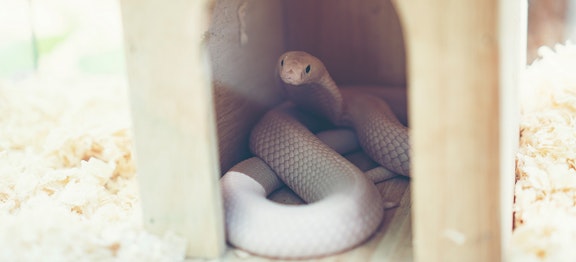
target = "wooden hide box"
x: 202, y: 73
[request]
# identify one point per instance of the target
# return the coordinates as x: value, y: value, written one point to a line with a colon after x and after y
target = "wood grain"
x: 244, y: 76
x: 361, y: 42
x: 463, y: 66
x: 173, y: 119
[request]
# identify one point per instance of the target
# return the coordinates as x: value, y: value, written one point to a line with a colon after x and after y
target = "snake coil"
x: 344, y: 207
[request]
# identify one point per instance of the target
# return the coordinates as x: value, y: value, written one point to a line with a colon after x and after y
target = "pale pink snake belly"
x: 344, y: 206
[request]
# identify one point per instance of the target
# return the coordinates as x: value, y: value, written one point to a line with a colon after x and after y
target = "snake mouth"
x: 290, y: 79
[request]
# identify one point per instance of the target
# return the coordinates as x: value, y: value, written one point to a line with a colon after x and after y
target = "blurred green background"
x: 61, y: 38
x: 64, y: 38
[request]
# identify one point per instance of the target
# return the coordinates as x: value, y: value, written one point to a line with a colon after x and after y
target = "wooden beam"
x: 463, y: 61
x: 173, y: 117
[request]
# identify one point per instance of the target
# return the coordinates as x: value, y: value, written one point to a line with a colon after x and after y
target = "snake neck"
x: 321, y: 97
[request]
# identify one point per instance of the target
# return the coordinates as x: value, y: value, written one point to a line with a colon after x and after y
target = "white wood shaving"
x: 67, y: 179
x: 545, y: 206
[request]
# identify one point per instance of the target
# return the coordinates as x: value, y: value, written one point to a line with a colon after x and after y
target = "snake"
x: 343, y: 205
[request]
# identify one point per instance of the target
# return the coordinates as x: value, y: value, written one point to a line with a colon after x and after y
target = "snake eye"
x: 308, y: 69
x: 282, y: 62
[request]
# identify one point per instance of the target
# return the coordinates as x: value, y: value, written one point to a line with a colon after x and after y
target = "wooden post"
x: 463, y: 59
x: 173, y: 116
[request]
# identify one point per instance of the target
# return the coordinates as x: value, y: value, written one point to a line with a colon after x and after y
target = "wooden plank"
x: 244, y: 40
x: 174, y: 127
x: 460, y: 102
x: 396, y: 244
x: 513, y: 35
x: 361, y: 42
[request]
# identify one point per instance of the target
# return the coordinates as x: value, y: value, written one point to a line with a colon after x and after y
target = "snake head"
x: 297, y: 68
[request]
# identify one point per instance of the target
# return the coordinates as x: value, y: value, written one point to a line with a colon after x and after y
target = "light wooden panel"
x: 244, y: 40
x: 460, y: 102
x: 513, y: 39
x: 174, y: 121
x: 361, y: 42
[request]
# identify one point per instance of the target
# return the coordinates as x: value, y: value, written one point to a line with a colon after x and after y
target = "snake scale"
x: 344, y: 206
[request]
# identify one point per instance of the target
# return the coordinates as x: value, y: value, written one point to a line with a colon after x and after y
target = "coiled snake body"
x: 344, y: 207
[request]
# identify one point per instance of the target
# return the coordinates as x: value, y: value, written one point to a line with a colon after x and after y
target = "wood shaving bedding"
x: 545, y: 206
x: 67, y: 180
